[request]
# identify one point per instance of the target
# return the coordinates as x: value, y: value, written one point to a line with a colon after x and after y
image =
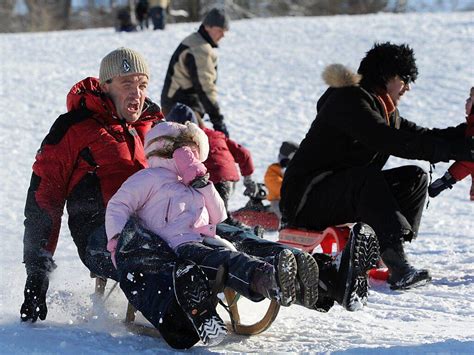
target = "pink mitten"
x: 111, y: 247
x: 189, y: 167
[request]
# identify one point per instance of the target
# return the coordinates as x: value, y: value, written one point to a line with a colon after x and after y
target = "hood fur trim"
x: 163, y: 139
x: 338, y: 76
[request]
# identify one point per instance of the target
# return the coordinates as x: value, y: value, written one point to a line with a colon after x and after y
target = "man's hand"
x: 34, y: 306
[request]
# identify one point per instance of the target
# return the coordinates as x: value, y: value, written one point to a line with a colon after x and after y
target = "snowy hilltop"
x: 269, y: 82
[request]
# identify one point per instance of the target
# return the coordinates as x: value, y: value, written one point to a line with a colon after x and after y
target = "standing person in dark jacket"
x: 192, y: 71
x: 87, y: 155
x: 336, y: 175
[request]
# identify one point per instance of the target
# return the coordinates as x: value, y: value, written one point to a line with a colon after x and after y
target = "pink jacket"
x: 165, y: 205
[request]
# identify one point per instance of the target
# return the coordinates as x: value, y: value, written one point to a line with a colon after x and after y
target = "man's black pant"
x: 390, y: 201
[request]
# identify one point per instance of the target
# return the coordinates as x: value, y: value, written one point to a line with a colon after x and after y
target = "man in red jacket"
x: 87, y: 154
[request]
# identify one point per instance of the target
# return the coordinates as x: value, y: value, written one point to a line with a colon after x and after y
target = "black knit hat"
x: 180, y: 113
x: 217, y: 17
x: 287, y: 150
x: 386, y: 60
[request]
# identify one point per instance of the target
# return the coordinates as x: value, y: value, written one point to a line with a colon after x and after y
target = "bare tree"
x: 6, y: 14
x: 400, y: 6
x: 45, y: 15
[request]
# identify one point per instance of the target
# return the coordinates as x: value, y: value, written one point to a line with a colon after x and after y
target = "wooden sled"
x: 230, y: 304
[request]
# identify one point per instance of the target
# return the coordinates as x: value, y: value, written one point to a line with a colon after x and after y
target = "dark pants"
x: 158, y: 17
x: 145, y: 273
x: 390, y: 201
x: 247, y: 242
x: 225, y: 188
x: 240, y: 267
x: 152, y: 294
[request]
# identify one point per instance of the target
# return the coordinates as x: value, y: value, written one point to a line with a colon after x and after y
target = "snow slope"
x: 269, y: 83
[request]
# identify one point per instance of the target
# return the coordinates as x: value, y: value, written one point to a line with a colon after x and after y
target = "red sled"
x: 330, y: 241
x: 253, y: 218
x: 255, y: 213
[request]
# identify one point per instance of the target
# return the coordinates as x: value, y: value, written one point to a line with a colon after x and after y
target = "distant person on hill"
x: 460, y: 169
x: 158, y: 9
x: 224, y: 155
x: 124, y: 18
x: 192, y: 71
x: 141, y: 12
x: 274, y: 175
x: 336, y: 175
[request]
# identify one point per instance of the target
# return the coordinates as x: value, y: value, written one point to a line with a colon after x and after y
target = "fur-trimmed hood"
x: 162, y: 140
x: 338, y: 76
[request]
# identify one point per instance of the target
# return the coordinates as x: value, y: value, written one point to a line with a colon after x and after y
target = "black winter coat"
x: 350, y: 130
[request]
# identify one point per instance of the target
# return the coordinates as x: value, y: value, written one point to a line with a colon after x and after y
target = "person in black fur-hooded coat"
x: 336, y: 174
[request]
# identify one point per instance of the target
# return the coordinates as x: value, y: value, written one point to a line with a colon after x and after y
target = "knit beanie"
x: 181, y: 113
x: 217, y: 18
x: 121, y: 62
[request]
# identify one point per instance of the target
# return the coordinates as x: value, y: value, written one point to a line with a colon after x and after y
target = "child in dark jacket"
x: 460, y: 169
x: 224, y: 154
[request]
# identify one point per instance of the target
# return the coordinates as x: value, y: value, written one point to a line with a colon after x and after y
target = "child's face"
x: 469, y: 103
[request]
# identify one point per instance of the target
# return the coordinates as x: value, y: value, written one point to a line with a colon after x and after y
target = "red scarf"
x: 387, y: 104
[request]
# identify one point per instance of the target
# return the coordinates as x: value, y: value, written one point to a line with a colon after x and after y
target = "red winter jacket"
x: 86, y: 156
x: 223, y: 155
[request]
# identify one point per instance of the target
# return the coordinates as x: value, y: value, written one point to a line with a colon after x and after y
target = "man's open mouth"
x: 133, y: 107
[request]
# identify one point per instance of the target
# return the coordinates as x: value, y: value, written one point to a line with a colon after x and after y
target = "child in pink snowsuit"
x: 174, y: 199
x: 460, y: 169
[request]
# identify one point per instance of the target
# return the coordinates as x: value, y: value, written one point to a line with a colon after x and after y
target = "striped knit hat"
x: 121, y: 62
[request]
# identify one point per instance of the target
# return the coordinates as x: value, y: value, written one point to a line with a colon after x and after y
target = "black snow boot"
x: 441, y: 184
x: 307, y: 280
x: 402, y: 275
x: 346, y: 280
x: 193, y: 293
x: 277, y: 282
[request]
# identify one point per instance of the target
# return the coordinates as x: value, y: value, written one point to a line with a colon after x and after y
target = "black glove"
x: 200, y: 181
x: 219, y: 125
x: 34, y: 306
x: 251, y: 187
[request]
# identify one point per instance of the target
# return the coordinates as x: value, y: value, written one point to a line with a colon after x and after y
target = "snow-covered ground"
x: 270, y: 79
